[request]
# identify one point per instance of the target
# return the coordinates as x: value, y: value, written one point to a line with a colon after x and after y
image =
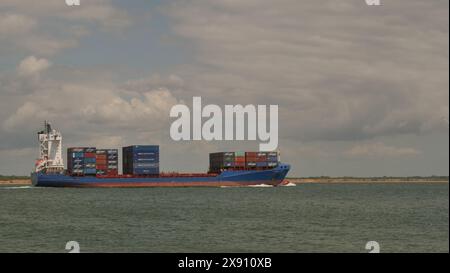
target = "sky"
x: 362, y: 90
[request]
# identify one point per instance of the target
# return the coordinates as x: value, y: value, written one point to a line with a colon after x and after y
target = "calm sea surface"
x: 305, y: 218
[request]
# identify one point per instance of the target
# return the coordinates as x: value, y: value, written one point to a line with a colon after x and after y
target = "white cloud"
x: 338, y: 71
x: 99, y: 11
x: 92, y: 106
x: 32, y: 66
x: 13, y: 24
x: 51, y: 26
x: 381, y: 150
x: 156, y: 80
x: 103, y: 12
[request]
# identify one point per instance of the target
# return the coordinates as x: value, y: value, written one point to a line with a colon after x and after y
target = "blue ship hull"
x: 272, y: 177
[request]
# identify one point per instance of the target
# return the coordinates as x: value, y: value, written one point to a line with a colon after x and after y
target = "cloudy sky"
x: 362, y: 90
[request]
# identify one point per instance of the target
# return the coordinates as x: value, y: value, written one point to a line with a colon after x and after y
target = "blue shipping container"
x: 89, y: 160
x: 90, y: 170
x: 146, y: 171
x: 147, y: 165
x: 145, y: 148
x: 77, y: 155
x: 140, y: 159
x: 261, y: 164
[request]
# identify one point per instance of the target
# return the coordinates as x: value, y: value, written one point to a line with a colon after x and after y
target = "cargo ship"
x: 91, y: 167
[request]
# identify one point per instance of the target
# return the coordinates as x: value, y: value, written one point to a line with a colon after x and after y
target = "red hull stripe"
x: 171, y: 184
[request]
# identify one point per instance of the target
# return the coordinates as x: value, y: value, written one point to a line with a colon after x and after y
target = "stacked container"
x: 107, y: 162
x: 102, y: 162
x: 239, y: 159
x: 81, y: 161
x: 219, y: 161
x: 90, y: 161
x: 215, y: 162
x: 272, y: 159
x: 261, y: 160
x: 140, y: 160
x: 250, y: 159
x: 113, y: 161
x: 75, y: 161
x: 242, y: 160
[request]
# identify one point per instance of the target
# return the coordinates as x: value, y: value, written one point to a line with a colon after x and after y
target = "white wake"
x: 249, y: 186
x: 16, y: 187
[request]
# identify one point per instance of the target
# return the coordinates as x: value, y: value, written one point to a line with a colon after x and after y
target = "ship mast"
x: 50, y: 151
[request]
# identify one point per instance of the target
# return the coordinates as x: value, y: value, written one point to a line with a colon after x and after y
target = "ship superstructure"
x: 50, y: 151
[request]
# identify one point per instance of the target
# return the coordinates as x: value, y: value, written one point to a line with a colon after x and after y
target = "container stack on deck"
x: 242, y: 160
x: 239, y: 159
x: 261, y: 159
x: 272, y: 159
x: 141, y: 160
x: 113, y: 161
x: 218, y: 161
x: 90, y: 161
x: 107, y: 161
x: 81, y: 161
x: 144, y: 160
x: 75, y: 161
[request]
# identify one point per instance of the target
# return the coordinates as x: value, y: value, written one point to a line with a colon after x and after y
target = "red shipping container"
x: 250, y: 154
x: 101, y: 161
x: 112, y: 172
x: 101, y: 167
x: 91, y: 155
x: 101, y: 157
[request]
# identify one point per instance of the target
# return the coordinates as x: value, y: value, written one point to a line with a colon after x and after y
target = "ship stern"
x: 34, y: 179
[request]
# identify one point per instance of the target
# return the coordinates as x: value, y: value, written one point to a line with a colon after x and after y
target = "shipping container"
x: 90, y: 155
x: 140, y: 159
x: 81, y: 160
x: 107, y: 163
x: 75, y: 160
x: 92, y: 161
x: 101, y: 172
x: 90, y: 171
x: 262, y: 164
x: 90, y: 150
x: 242, y: 160
x: 89, y: 160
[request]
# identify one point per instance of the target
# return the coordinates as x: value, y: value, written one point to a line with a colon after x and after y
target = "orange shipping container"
x: 101, y: 162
